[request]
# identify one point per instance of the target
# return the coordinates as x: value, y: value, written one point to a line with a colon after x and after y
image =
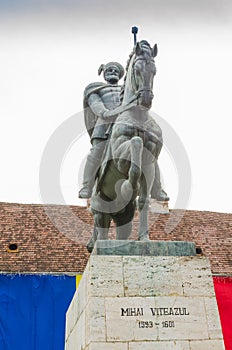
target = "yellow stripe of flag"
x: 78, y: 278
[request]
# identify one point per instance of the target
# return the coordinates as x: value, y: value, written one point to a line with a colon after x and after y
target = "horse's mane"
x: 127, y: 67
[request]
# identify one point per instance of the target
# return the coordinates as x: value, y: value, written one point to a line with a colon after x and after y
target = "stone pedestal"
x: 144, y: 302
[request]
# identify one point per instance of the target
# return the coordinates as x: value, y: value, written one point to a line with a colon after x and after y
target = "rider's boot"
x: 90, y: 171
x: 157, y: 192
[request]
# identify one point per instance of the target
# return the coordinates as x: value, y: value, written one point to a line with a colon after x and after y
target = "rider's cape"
x: 89, y: 116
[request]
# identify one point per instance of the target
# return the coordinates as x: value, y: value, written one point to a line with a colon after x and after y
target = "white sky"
x: 51, y: 50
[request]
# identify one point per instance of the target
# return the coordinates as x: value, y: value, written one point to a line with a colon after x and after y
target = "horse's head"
x: 144, y: 70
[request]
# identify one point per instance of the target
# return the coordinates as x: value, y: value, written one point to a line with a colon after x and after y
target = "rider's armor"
x: 107, y: 98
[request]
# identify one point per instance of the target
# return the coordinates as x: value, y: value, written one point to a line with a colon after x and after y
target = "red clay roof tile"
x: 52, y: 239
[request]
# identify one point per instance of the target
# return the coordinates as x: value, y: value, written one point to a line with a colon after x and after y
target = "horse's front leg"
x: 146, y: 182
x: 130, y: 186
x: 136, y: 161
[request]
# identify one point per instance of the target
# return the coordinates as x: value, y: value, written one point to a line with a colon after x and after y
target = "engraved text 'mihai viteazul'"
x: 156, y: 311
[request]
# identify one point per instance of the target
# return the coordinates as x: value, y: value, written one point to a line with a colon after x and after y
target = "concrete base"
x: 144, y: 303
x: 145, y: 248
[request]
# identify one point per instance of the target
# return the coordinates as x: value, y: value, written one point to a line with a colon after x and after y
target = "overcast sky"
x: 50, y: 50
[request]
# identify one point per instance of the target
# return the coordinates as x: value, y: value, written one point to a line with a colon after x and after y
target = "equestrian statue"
x: 121, y: 172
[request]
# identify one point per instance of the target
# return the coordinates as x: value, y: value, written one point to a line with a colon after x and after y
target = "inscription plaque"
x: 161, y: 318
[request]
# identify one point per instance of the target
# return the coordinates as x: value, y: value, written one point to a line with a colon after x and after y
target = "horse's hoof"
x: 90, y: 245
x: 126, y: 190
x: 144, y: 237
x: 89, y: 248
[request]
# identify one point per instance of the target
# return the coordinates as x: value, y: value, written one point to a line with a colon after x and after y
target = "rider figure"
x: 100, y: 98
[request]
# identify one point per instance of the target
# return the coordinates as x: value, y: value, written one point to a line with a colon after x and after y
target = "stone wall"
x: 144, y: 302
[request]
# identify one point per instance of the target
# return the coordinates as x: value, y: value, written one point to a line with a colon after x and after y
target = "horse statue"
x: 127, y: 170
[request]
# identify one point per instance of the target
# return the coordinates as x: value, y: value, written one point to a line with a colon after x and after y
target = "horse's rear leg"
x: 101, y: 228
x: 147, y: 179
x: 143, y: 204
x: 123, y: 232
x: 92, y: 240
x: 123, y: 221
x: 102, y: 224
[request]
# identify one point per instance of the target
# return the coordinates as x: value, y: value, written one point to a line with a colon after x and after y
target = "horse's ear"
x: 154, y: 50
x: 138, y: 49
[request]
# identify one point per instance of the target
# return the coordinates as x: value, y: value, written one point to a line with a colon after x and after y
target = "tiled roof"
x: 53, y: 238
